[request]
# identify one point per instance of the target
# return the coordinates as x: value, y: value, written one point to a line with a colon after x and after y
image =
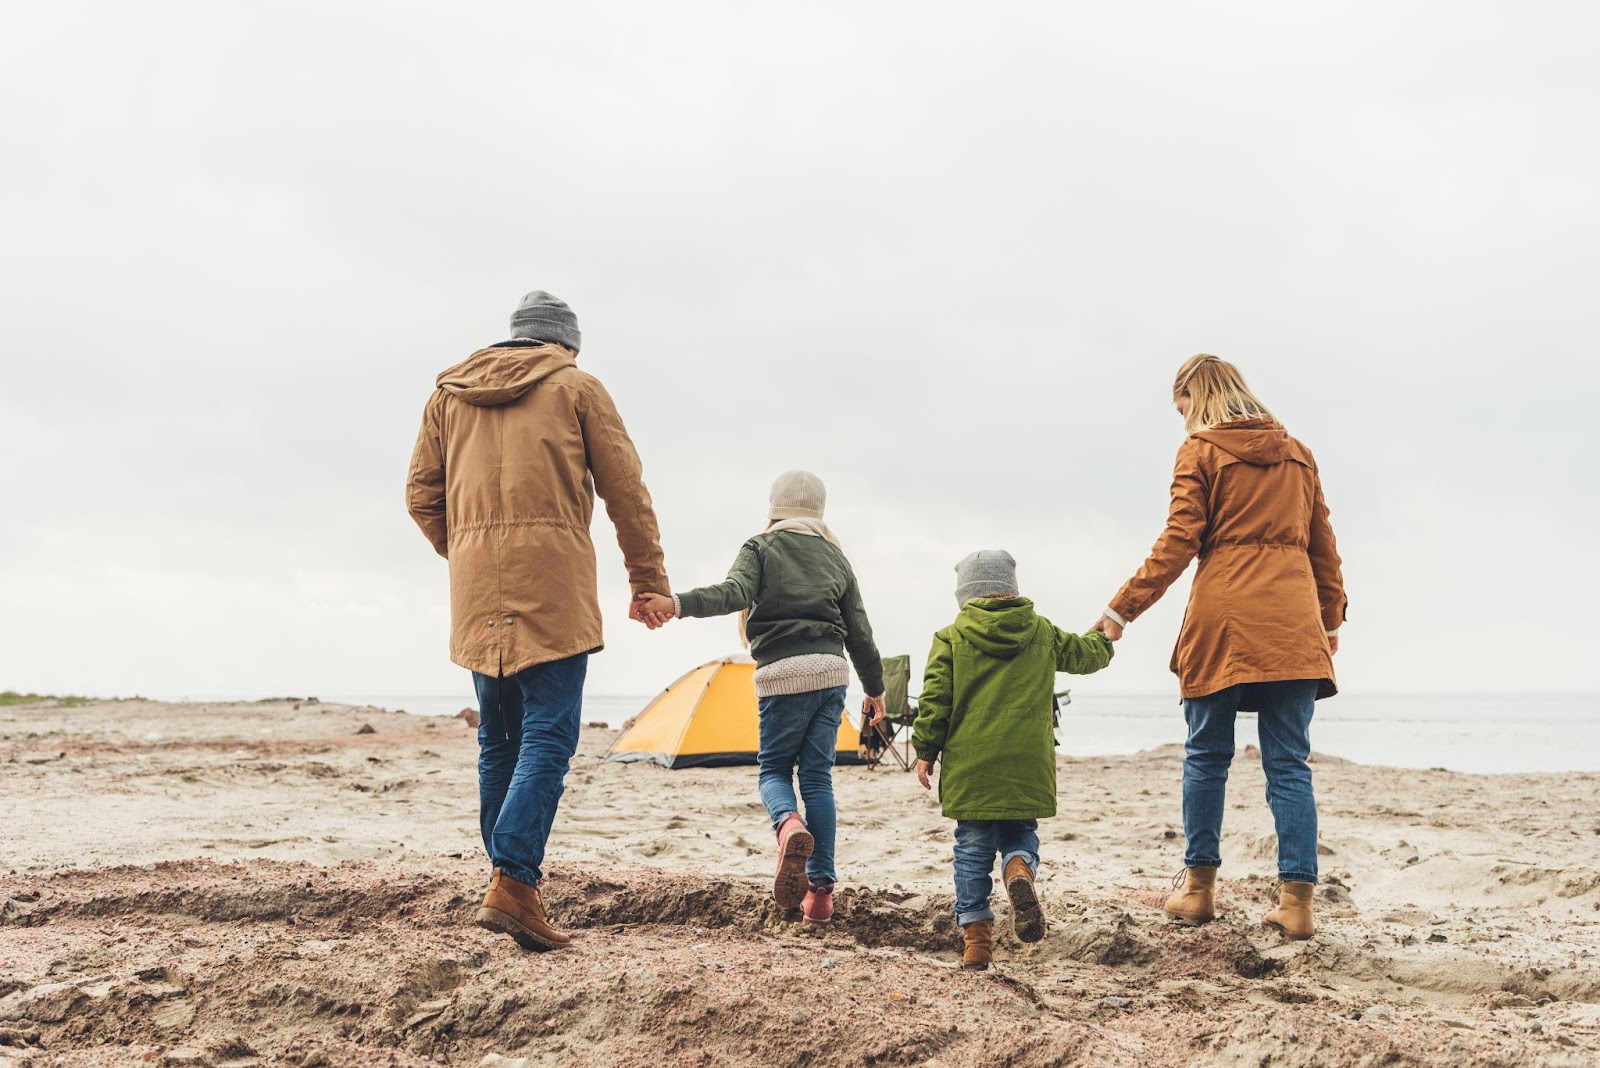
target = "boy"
x: 985, y: 710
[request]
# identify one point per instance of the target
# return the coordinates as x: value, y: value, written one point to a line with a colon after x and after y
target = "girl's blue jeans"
x: 1283, y: 721
x: 977, y: 842
x: 802, y: 730
x: 527, y: 732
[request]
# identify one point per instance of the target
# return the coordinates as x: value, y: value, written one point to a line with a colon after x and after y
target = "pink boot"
x: 818, y: 905
x: 794, y: 849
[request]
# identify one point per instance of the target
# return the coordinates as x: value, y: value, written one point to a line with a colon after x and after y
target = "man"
x: 515, y: 443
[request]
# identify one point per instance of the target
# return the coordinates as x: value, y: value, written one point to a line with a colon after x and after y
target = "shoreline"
x: 1560, y: 737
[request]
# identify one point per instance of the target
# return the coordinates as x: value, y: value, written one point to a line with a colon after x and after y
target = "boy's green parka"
x: 986, y: 703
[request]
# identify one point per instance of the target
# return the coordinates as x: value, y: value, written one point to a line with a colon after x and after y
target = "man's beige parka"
x: 515, y: 442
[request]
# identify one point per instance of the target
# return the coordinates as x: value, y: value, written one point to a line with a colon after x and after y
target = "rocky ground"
x: 186, y: 889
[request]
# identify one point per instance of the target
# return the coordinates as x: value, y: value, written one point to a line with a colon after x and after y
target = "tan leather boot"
x: 1293, y: 914
x: 1027, y: 917
x: 977, y: 939
x: 1193, y: 900
x: 517, y: 909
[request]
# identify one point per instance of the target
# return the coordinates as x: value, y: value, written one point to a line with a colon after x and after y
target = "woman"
x: 1260, y: 630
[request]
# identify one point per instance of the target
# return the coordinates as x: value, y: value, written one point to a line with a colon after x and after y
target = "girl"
x: 801, y: 610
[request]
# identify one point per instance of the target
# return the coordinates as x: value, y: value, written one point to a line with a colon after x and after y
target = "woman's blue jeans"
x: 1283, y: 721
x: 803, y: 729
x: 527, y: 732
x: 977, y: 842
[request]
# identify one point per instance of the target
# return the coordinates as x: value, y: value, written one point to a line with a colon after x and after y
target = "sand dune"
x: 262, y: 884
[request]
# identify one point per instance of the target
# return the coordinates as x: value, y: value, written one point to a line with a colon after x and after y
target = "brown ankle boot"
x: 977, y: 939
x: 1027, y: 918
x: 1293, y: 914
x: 517, y: 909
x: 1193, y: 900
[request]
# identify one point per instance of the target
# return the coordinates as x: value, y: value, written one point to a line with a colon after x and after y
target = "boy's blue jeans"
x: 802, y: 729
x: 527, y: 732
x: 1284, y: 724
x: 977, y: 842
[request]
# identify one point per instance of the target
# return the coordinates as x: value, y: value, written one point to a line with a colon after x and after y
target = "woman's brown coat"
x: 514, y: 444
x: 1246, y: 499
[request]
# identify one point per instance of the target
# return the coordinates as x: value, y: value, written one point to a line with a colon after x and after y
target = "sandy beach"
x: 292, y: 882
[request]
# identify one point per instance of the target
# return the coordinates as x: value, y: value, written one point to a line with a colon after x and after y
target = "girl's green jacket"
x: 986, y: 703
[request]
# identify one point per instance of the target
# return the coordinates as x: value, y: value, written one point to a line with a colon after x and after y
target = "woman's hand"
x: 873, y: 706
x: 1333, y: 644
x: 651, y: 609
x: 923, y: 767
x: 1109, y: 627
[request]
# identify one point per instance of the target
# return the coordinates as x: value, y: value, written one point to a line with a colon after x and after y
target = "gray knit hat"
x: 985, y: 573
x: 797, y: 495
x: 541, y: 317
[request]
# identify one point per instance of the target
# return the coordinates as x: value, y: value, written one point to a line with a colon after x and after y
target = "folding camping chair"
x: 893, y: 735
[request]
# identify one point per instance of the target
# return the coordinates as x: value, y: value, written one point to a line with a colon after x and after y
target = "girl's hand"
x: 651, y: 609
x: 923, y: 767
x: 873, y: 707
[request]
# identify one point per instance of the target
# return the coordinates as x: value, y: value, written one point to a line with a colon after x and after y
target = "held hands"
x: 923, y: 767
x: 1109, y: 627
x: 651, y: 609
x: 872, y: 706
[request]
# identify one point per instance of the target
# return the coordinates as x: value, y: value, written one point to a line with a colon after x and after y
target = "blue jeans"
x: 977, y: 842
x: 1283, y: 720
x: 527, y: 732
x: 803, y: 729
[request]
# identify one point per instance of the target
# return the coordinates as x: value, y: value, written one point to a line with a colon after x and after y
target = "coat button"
x: 491, y: 622
x: 508, y: 621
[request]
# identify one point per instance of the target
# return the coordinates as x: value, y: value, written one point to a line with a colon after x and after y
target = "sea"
x: 1476, y: 732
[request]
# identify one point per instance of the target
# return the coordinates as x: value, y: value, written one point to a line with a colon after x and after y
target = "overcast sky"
x: 946, y: 256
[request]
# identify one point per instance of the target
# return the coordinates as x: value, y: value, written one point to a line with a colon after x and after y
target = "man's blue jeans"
x: 803, y: 729
x: 527, y: 732
x: 977, y: 842
x: 1283, y: 720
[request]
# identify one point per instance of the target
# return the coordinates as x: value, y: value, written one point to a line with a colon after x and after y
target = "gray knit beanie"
x: 985, y: 573
x: 797, y: 495
x: 541, y: 317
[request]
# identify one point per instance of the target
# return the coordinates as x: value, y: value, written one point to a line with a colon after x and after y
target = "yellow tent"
x: 708, y: 719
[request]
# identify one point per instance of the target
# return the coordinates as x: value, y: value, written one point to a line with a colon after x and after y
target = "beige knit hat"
x: 797, y: 495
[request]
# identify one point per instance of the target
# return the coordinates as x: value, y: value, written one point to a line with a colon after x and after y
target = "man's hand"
x: 1109, y: 627
x: 1333, y: 644
x: 923, y: 767
x: 651, y: 609
x: 872, y: 706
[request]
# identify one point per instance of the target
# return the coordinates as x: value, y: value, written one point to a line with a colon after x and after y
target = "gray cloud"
x: 947, y: 260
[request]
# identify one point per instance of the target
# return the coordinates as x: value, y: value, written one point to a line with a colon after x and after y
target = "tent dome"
x: 707, y: 719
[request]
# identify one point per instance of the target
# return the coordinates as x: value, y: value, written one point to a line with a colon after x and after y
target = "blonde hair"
x: 1217, y: 393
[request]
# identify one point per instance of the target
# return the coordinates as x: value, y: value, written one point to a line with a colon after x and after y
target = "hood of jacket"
x: 502, y: 373
x: 998, y: 626
x: 1255, y: 441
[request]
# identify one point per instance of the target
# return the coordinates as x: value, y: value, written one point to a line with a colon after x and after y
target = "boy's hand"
x: 1109, y: 627
x: 923, y: 767
x: 873, y: 707
x: 651, y: 609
